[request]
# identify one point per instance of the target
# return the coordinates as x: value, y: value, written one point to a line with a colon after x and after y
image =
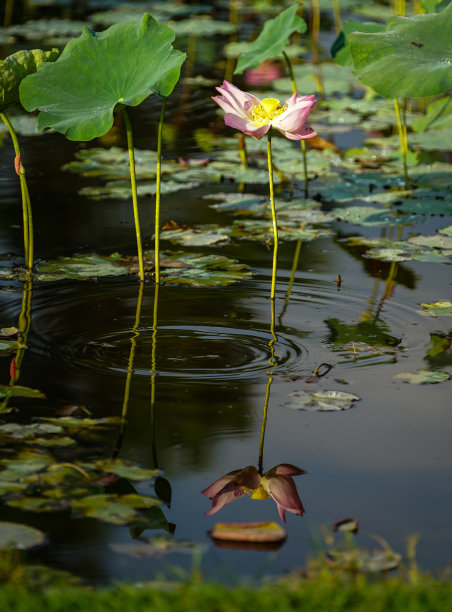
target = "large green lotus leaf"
x: 78, y: 93
x: 15, y: 535
x: 340, y: 49
x: 423, y: 376
x: 432, y: 139
x: 273, y: 38
x: 16, y: 67
x: 412, y: 58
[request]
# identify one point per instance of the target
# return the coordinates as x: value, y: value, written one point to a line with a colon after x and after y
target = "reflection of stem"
x: 302, y: 142
x: 26, y: 204
x: 157, y: 196
x: 133, y: 182
x: 403, y: 140
x: 23, y: 326
x: 154, y: 370
x: 271, y: 344
x: 272, y: 202
x: 296, y: 257
x: 130, y: 369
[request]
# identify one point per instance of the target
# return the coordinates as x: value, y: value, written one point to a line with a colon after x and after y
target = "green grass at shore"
x: 320, y: 594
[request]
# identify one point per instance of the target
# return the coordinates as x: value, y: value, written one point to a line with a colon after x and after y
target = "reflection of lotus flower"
x: 277, y: 483
x: 254, y: 117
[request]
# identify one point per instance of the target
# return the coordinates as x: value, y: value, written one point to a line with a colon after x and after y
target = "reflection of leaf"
x: 19, y: 391
x: 272, y: 40
x: 436, y: 309
x: 321, y: 400
x: 422, y: 377
x: 95, y: 72
x: 14, y: 535
x: 149, y: 547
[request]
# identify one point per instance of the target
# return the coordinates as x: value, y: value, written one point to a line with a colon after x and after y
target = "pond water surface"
x: 196, y: 411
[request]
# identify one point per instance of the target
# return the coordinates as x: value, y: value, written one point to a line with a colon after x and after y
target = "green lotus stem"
x: 157, y: 195
x: 26, y: 203
x: 234, y: 20
x: 133, y: 182
x: 8, y: 17
x: 302, y: 142
x: 337, y: 16
x: 272, y: 202
x: 242, y: 151
x: 267, y: 390
x: 315, y: 28
x: 403, y: 140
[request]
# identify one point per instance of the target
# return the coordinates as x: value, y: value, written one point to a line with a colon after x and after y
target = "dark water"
x: 386, y: 461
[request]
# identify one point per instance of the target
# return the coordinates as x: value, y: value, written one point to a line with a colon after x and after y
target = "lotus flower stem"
x: 26, y: 203
x: 315, y: 28
x: 302, y: 142
x: 275, y: 224
x: 337, y: 16
x: 242, y: 151
x: 157, y: 195
x: 403, y: 140
x: 133, y: 182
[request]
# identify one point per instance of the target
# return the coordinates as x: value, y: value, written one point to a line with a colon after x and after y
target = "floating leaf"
x: 364, y: 560
x: 116, y: 509
x: 262, y: 532
x: 19, y: 391
x: 150, y: 547
x: 15, y: 68
x: 201, y: 235
x: 412, y: 58
x: 422, y: 377
x: 204, y: 270
x: 262, y: 230
x: 96, y: 72
x: 321, y: 400
x: 15, y: 535
x: 6, y: 346
x: 437, y: 309
x: 273, y: 39
x: 7, y: 332
x: 125, y: 469
x: 371, y: 215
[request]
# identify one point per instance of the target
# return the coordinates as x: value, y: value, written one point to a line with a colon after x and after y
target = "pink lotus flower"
x: 277, y: 483
x: 255, y: 117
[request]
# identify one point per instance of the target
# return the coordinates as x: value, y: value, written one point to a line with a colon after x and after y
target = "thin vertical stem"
x: 302, y: 142
x: 272, y: 203
x: 26, y: 203
x: 271, y: 345
x: 154, y: 369
x: 8, y: 16
x: 157, y: 195
x: 403, y: 140
x: 242, y: 151
x: 337, y: 16
x: 315, y: 28
x: 133, y: 182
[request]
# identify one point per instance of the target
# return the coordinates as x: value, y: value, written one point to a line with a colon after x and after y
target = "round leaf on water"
x: 95, y: 72
x: 273, y: 39
x: 16, y: 67
x: 437, y: 309
x: 15, y: 535
x: 321, y: 400
x: 412, y: 57
x: 422, y: 377
x: 19, y: 391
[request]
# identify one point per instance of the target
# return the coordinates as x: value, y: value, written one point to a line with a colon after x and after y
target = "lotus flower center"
x: 268, y: 109
x: 259, y: 493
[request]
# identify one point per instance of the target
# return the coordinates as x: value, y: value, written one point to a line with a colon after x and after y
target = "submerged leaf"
x: 149, y: 547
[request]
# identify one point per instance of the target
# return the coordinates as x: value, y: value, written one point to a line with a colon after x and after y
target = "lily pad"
x: 201, y: 235
x: 16, y: 67
x: 273, y: 39
x: 260, y: 531
x: 262, y: 230
x: 97, y: 72
x: 157, y: 546
x: 437, y: 309
x: 6, y: 346
x: 15, y: 535
x: 116, y: 509
x: 321, y: 401
x: 371, y: 215
x: 423, y: 376
x: 411, y: 58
